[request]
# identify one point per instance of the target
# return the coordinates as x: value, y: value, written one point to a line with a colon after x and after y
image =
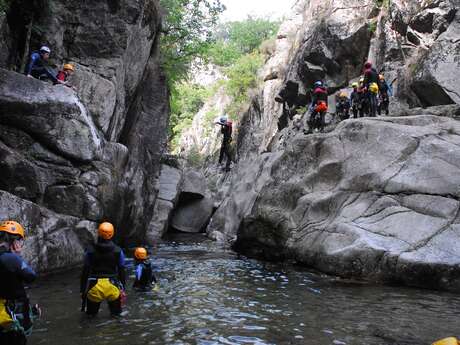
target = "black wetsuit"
x: 14, y: 273
x: 144, y: 275
x: 225, y: 148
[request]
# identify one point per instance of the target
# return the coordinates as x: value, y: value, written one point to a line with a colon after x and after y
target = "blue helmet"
x: 318, y: 83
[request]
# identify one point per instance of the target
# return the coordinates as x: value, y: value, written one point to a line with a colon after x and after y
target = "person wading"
x: 16, y: 314
x: 143, y: 270
x: 103, y: 277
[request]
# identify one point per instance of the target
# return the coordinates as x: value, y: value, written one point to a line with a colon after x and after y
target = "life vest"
x: 103, y: 260
x: 146, y: 277
x: 62, y: 76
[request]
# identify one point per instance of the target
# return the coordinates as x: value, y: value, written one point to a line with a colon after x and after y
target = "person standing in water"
x: 143, y: 269
x: 103, y: 277
x: 16, y: 313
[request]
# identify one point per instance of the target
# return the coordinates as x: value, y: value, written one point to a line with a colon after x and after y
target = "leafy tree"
x: 188, y: 27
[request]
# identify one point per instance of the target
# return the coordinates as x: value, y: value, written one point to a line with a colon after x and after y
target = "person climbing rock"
x: 318, y: 107
x: 385, y: 91
x: 226, y: 131
x: 354, y: 100
x: 64, y: 74
x: 371, y: 82
x: 144, y: 276
x: 342, y: 108
x: 16, y: 313
x: 38, y: 66
x: 103, y: 277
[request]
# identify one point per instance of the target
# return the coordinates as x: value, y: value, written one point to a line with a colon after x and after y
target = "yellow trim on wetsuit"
x: 5, y: 317
x: 103, y: 290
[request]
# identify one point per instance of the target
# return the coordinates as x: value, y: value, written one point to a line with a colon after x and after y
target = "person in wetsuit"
x: 103, y: 277
x: 16, y: 314
x: 143, y: 269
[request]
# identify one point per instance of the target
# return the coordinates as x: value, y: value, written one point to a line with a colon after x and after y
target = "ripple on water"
x: 209, y: 296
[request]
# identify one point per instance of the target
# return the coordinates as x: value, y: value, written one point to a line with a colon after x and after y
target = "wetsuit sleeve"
x: 51, y: 75
x: 27, y: 274
x: 122, y: 269
x: 390, y: 89
x: 85, y: 273
x: 33, y: 60
x: 138, y: 272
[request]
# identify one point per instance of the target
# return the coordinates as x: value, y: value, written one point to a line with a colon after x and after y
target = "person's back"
x: 103, y: 277
x: 143, y: 270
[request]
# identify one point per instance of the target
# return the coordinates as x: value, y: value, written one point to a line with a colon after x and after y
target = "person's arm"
x: 33, y: 60
x: 138, y: 272
x: 122, y: 269
x: 390, y: 89
x: 52, y: 76
x: 26, y: 273
x: 85, y: 273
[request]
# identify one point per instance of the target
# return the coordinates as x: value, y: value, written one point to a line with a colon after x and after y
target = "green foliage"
x: 186, y: 101
x: 209, y: 118
x: 188, y: 27
x: 242, y: 77
x: 4, y: 5
x: 372, y: 27
x: 235, y: 39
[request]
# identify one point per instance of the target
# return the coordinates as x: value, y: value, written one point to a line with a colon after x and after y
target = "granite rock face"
x: 78, y: 158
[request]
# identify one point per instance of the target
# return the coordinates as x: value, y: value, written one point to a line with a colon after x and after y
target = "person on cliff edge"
x: 104, y: 276
x: 226, y: 131
x: 16, y: 313
x: 38, y: 66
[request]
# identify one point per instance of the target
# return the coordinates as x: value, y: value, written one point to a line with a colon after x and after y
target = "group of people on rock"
x: 38, y: 67
x: 370, y: 96
x: 103, y: 279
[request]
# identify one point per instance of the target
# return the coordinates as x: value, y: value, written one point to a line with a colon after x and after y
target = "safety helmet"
x: 342, y: 95
x: 140, y: 253
x: 353, y: 85
x: 106, y: 230
x: 45, y: 49
x: 361, y: 80
x: 318, y: 83
x: 69, y: 67
x: 368, y: 64
x: 381, y: 77
x: 13, y: 228
x: 223, y: 119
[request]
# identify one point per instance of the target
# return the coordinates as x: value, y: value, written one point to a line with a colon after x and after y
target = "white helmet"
x: 45, y: 49
x: 223, y: 119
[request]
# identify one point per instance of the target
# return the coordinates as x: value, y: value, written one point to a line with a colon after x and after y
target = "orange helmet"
x: 69, y: 66
x: 140, y: 253
x: 13, y: 228
x: 106, y: 230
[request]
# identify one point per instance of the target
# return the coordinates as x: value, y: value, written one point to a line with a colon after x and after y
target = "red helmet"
x: 368, y: 64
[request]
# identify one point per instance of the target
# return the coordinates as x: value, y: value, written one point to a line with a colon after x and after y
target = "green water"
x: 210, y: 296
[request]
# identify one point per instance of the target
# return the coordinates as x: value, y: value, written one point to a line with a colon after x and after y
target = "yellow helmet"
x: 343, y: 95
x: 13, y: 228
x: 69, y: 67
x: 353, y: 85
x: 106, y: 230
x: 447, y: 341
x: 140, y: 253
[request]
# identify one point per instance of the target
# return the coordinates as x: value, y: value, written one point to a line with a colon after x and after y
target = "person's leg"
x: 115, y: 307
x: 92, y: 308
x: 221, y: 154
x: 13, y: 338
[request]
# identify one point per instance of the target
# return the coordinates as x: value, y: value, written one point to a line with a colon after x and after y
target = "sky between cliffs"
x: 240, y: 9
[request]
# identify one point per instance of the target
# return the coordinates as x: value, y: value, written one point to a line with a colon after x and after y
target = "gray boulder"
x: 192, y: 215
x: 376, y: 199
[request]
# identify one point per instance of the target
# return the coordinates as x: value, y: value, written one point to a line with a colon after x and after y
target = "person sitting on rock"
x: 318, y: 107
x: 103, y: 277
x: 226, y: 131
x: 143, y: 270
x: 16, y: 314
x: 64, y: 74
x: 38, y: 66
